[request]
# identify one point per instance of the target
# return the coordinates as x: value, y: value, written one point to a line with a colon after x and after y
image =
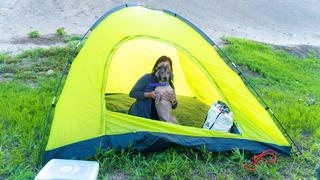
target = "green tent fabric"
x: 129, y: 39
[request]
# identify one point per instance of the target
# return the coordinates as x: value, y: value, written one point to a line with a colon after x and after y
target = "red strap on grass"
x: 268, y: 156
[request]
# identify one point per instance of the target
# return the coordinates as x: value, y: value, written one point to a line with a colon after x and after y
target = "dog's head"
x: 163, y: 73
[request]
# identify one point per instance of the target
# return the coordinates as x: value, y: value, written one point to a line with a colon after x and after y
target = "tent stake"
x: 260, y: 97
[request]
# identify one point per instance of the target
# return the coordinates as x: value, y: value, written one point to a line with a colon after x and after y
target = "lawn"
x: 289, y: 84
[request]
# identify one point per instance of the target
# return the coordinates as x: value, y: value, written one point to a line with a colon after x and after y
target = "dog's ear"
x: 157, y: 74
x: 171, y: 76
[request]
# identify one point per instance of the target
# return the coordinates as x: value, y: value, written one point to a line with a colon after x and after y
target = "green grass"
x: 71, y: 38
x: 33, y: 34
x: 289, y: 84
x: 61, y: 32
x: 7, y: 59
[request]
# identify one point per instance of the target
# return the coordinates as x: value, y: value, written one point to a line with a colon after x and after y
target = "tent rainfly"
x: 120, y: 47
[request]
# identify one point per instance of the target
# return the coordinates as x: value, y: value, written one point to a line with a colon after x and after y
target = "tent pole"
x: 256, y: 92
x: 39, y: 162
x: 64, y: 72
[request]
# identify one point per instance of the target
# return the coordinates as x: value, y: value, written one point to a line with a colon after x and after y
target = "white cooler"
x: 69, y: 169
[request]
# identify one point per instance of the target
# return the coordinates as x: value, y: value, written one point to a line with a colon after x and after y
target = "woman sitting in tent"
x: 145, y: 92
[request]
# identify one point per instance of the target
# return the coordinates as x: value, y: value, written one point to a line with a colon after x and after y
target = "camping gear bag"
x: 219, y: 118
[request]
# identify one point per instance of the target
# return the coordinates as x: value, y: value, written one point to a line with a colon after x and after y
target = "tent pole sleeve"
x: 256, y: 92
x: 64, y: 72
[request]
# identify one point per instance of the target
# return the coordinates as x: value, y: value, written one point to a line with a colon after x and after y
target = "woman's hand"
x: 151, y: 94
x: 173, y: 98
x: 169, y: 96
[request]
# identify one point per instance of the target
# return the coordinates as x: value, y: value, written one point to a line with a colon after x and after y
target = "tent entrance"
x: 135, y: 57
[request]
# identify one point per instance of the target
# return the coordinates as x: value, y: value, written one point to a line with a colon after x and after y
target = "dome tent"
x: 124, y: 44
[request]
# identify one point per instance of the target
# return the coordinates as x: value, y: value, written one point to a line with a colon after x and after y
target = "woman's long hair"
x: 160, y: 60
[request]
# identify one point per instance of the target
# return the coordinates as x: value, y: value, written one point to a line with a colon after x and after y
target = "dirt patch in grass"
x: 6, y: 77
x: 118, y: 176
x: 50, y: 39
x: 301, y: 51
x: 246, y: 70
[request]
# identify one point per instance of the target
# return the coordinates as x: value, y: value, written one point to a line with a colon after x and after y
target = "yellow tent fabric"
x: 130, y: 39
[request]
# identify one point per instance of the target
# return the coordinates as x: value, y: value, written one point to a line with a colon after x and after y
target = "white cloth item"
x: 69, y: 169
x: 217, y: 120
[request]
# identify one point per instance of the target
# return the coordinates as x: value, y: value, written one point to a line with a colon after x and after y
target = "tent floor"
x: 190, y: 111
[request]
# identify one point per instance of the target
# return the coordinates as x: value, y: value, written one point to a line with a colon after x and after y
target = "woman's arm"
x: 138, y: 89
x: 151, y: 94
